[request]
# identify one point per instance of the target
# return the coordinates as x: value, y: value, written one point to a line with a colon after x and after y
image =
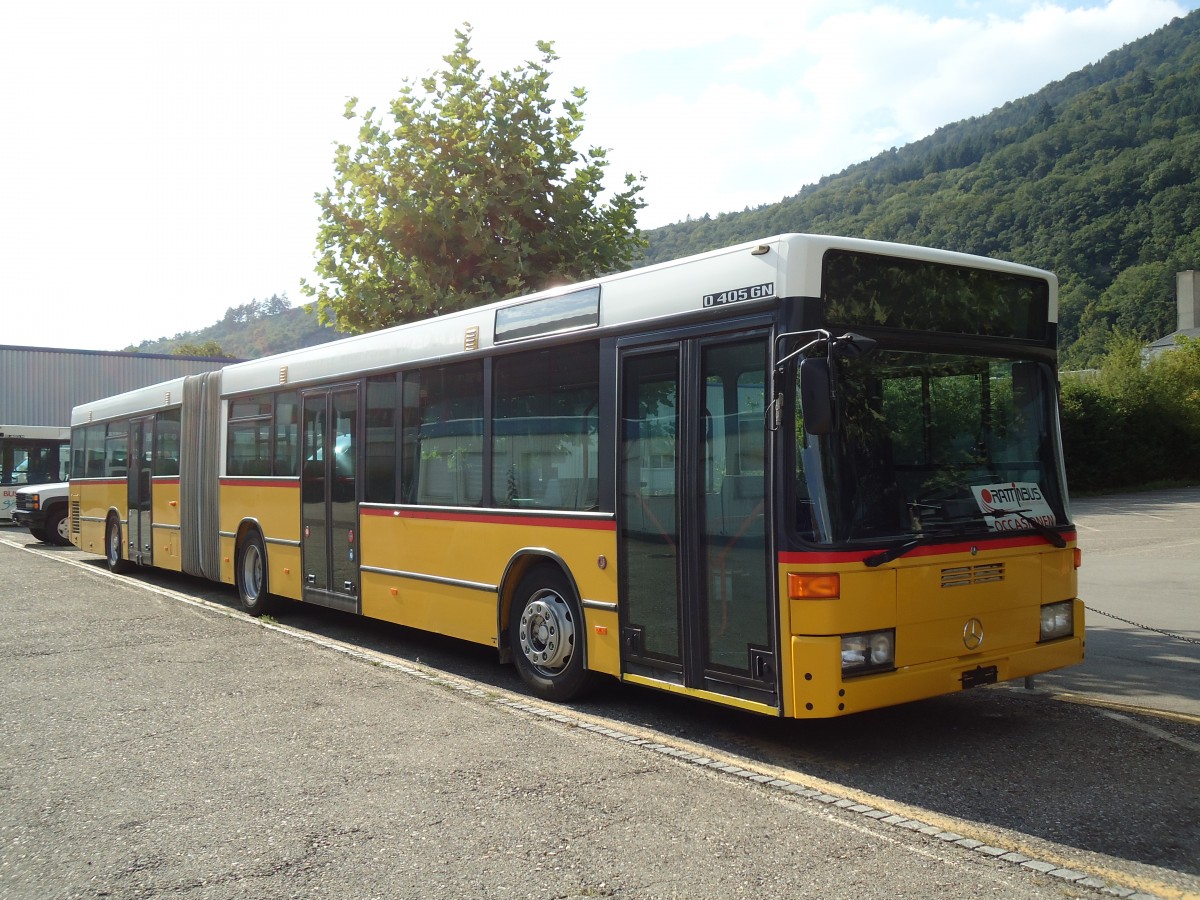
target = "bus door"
x: 697, y: 594
x: 329, y: 498
x: 139, y: 480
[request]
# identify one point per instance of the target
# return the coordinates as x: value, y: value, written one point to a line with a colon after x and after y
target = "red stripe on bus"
x: 158, y: 479
x: 260, y: 482
x: 500, y: 519
x: 793, y: 558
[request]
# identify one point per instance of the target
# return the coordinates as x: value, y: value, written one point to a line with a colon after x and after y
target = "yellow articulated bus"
x: 805, y: 476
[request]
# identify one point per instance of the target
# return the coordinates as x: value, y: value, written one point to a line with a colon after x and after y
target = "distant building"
x: 40, y: 385
x: 1187, y: 298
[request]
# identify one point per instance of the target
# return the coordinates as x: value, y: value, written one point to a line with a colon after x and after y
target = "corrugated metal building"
x: 39, y: 385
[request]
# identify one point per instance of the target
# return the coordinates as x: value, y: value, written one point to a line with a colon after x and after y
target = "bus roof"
x: 163, y: 395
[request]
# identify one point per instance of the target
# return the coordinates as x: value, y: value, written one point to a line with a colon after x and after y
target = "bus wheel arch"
x: 250, y: 569
x: 542, y: 626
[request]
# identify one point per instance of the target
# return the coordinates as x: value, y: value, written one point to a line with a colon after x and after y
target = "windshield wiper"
x: 1044, y: 530
x: 898, y: 550
x: 893, y: 552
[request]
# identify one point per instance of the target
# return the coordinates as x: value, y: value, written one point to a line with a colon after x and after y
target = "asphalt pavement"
x: 1140, y: 581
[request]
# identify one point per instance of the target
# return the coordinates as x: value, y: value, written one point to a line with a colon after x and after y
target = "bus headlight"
x: 868, y: 652
x: 1058, y: 620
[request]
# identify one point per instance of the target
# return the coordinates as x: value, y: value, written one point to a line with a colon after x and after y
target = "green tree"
x: 472, y: 190
x: 208, y: 348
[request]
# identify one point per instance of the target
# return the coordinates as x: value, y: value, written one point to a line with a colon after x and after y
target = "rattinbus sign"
x: 1011, y: 506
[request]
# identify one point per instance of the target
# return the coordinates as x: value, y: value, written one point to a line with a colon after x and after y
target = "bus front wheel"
x: 251, y: 575
x: 546, y: 634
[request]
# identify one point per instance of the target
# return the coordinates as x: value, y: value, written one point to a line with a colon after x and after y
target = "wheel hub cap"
x: 547, y: 633
x: 252, y: 573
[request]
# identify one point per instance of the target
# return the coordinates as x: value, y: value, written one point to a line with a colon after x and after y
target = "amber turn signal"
x: 813, y: 587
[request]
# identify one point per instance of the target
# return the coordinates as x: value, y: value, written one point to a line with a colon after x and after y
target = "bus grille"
x: 965, y: 576
x: 74, y: 517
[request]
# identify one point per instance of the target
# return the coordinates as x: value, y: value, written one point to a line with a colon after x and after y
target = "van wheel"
x: 546, y: 634
x: 112, y: 548
x: 251, y: 575
x: 58, y: 527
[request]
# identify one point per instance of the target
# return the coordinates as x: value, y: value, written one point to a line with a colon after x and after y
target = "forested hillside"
x: 258, y: 328
x: 1096, y: 177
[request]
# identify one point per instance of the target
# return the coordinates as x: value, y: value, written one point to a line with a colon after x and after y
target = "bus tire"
x: 251, y: 575
x: 112, y: 548
x: 38, y: 533
x: 58, y: 527
x: 546, y: 634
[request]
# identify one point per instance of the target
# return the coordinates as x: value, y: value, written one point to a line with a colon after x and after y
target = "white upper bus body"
x: 746, y: 276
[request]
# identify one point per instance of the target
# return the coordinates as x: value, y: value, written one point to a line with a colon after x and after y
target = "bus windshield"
x: 929, y: 445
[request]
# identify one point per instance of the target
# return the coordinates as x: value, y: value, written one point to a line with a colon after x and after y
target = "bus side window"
x: 116, y: 450
x: 410, y: 410
x: 380, y: 483
x: 545, y: 421
x: 448, y: 456
x: 166, y: 442
x: 248, y: 448
x: 94, y: 450
x: 78, y: 455
x: 286, y: 439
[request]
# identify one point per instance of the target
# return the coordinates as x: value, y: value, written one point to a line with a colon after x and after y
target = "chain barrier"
x: 1170, y: 634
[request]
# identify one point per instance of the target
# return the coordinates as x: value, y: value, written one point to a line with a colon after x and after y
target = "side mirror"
x: 816, y: 399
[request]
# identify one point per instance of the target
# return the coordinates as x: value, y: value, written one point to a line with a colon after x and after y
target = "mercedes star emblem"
x: 973, y: 634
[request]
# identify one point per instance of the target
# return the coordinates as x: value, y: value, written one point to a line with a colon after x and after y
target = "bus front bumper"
x: 820, y: 691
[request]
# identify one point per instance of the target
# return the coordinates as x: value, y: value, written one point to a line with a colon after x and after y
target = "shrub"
x: 1134, y: 422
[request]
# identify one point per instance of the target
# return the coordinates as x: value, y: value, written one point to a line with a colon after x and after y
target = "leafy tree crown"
x: 470, y: 190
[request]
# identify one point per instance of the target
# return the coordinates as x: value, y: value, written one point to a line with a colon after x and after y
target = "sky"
x: 161, y: 158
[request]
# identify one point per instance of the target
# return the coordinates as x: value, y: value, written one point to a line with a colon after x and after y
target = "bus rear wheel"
x: 112, y: 548
x: 251, y: 575
x: 546, y: 634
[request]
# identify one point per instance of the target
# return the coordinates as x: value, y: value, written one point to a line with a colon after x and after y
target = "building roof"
x: 1166, y: 343
x: 40, y: 385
